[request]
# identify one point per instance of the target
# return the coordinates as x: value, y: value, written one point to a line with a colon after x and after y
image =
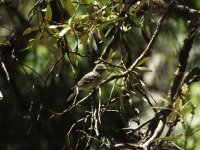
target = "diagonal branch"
x: 183, y: 57
x: 147, y: 49
x: 153, y: 38
x: 186, y: 12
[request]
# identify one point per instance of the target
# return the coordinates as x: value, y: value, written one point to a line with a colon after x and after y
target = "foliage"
x: 148, y: 99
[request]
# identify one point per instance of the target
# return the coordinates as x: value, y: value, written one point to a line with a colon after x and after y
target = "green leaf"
x: 141, y: 70
x: 68, y: 6
x: 171, y: 117
x: 110, y: 21
x: 169, y: 138
x: 178, y: 104
x: 64, y: 31
x: 73, y: 57
x: 197, y: 3
x: 48, y: 41
x: 36, y: 40
x: 110, y: 55
x: 48, y: 14
x: 92, y: 42
x: 100, y: 35
x: 4, y: 41
x: 143, y: 61
x: 29, y: 30
x: 55, y: 61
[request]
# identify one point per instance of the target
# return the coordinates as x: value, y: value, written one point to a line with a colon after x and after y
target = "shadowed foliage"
x: 149, y: 94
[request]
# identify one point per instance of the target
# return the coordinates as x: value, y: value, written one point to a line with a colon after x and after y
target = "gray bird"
x: 90, y: 81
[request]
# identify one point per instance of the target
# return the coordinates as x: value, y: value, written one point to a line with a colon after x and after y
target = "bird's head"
x: 100, y: 68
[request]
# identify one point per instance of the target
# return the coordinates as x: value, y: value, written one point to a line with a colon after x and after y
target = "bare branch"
x: 183, y: 57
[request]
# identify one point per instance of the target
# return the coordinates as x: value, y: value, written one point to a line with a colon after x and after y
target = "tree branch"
x: 187, y: 13
x: 183, y: 57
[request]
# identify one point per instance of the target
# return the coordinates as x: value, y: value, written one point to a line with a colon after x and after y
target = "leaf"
x: 26, y: 48
x: 143, y: 61
x: 147, y: 18
x: 64, y: 31
x: 171, y: 117
x: 56, y: 26
x: 4, y: 41
x: 197, y: 3
x: 188, y: 106
x: 36, y: 40
x: 141, y: 70
x: 48, y: 14
x: 92, y: 43
x: 68, y: 6
x: 110, y: 55
x: 196, y: 131
x: 100, y: 35
x: 178, y: 104
x: 169, y: 138
x: 29, y: 30
x: 185, y: 90
x: 113, y: 54
x: 73, y: 57
x: 84, y: 39
x: 110, y: 21
x: 55, y: 62
x: 83, y: 17
x: 1, y: 96
x: 48, y: 41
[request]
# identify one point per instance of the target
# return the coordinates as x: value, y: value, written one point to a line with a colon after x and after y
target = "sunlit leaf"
x: 178, y: 104
x: 48, y: 14
x: 110, y: 55
x: 141, y: 70
x: 83, y: 17
x: 4, y: 41
x: 29, y: 30
x: 185, y: 90
x: 26, y: 48
x: 1, y: 96
x: 53, y: 26
x: 64, y: 31
x: 143, y: 61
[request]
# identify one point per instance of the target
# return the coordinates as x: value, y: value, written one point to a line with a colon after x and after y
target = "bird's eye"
x: 100, y: 69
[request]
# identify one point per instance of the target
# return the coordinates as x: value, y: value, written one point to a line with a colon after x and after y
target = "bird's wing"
x: 89, y: 78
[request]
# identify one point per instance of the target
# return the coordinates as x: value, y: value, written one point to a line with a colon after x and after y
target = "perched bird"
x: 89, y: 81
x: 92, y: 79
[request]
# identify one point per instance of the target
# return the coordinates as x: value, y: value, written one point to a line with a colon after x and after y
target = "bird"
x: 89, y: 81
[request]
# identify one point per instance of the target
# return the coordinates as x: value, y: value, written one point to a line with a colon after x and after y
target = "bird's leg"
x: 76, y: 91
x: 74, y: 94
x: 99, y: 106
